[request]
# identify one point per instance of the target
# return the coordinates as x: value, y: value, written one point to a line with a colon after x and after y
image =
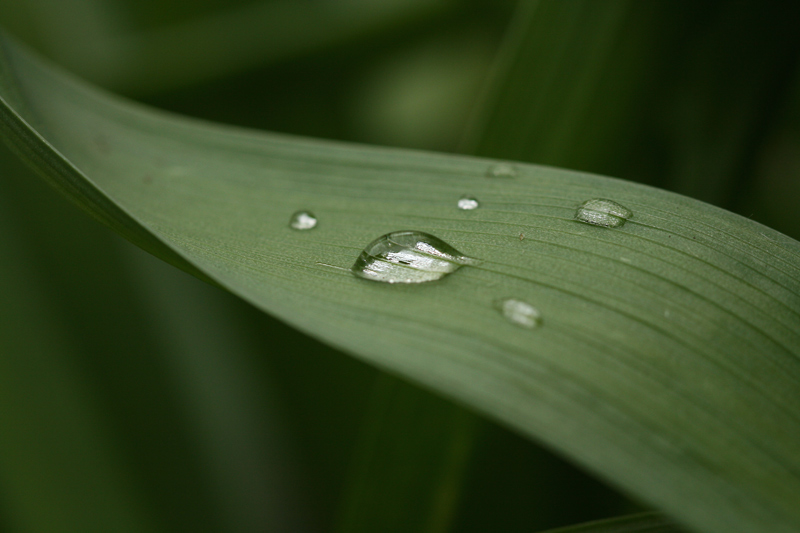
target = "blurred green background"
x: 133, y: 397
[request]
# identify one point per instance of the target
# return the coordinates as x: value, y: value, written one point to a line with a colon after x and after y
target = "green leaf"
x: 667, y: 358
x: 568, y: 82
x: 410, y: 463
x: 640, y: 523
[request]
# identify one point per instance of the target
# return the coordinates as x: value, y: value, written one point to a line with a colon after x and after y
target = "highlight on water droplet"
x: 302, y: 220
x: 409, y: 257
x: 468, y: 203
x: 502, y: 170
x: 520, y: 313
x: 603, y: 212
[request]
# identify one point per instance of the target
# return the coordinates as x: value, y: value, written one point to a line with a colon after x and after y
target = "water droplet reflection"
x: 603, y: 212
x: 520, y: 313
x: 468, y: 203
x: 302, y: 220
x: 408, y: 257
x: 502, y: 170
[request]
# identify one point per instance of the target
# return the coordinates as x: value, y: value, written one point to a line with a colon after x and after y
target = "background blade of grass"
x: 229, y: 407
x: 675, y: 94
x: 566, y: 86
x: 641, y: 523
x: 100, y: 421
x: 667, y: 361
x: 716, y: 109
x: 131, y: 47
x: 410, y: 464
x: 61, y: 470
x: 45, y: 405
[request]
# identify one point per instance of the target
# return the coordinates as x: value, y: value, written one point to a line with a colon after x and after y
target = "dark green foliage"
x: 133, y: 396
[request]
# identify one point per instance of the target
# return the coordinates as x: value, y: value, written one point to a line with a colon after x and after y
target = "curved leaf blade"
x: 640, y: 523
x: 667, y: 361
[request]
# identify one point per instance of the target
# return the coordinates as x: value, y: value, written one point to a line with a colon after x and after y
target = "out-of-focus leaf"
x: 409, y: 471
x: 59, y: 467
x: 667, y: 92
x: 97, y: 39
x: 642, y: 523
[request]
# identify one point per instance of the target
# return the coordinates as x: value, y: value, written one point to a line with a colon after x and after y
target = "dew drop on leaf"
x: 303, y: 220
x: 409, y: 257
x: 502, y: 170
x: 520, y: 313
x: 468, y: 203
x: 603, y: 212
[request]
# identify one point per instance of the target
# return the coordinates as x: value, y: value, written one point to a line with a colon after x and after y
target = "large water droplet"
x: 520, y: 313
x: 502, y: 170
x: 409, y: 257
x: 303, y: 220
x: 603, y: 212
x: 468, y: 203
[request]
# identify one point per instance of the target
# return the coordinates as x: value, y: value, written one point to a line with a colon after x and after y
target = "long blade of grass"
x: 641, y: 523
x: 532, y: 79
x: 410, y: 464
x: 565, y: 80
x: 667, y: 361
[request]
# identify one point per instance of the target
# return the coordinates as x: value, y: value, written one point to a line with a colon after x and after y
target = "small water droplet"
x: 603, y: 212
x: 502, y: 170
x: 303, y: 220
x: 520, y: 313
x: 468, y: 203
x: 409, y: 257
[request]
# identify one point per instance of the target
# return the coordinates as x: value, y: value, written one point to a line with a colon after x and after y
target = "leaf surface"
x: 667, y: 357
